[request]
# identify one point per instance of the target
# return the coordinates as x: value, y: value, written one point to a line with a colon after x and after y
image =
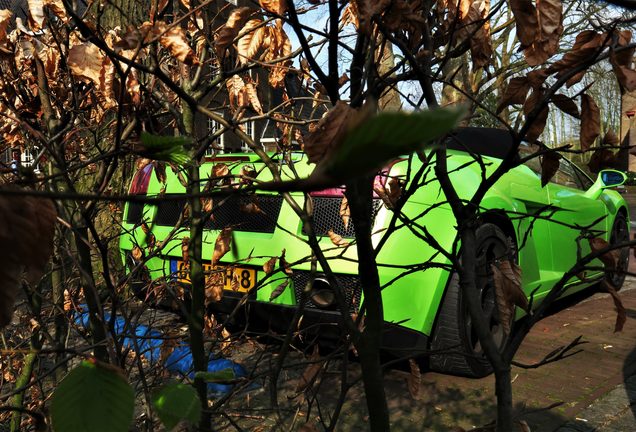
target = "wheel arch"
x: 501, y: 220
x: 623, y: 209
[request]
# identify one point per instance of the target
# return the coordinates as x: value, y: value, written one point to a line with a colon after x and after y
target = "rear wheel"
x: 454, y: 334
x: 619, y: 234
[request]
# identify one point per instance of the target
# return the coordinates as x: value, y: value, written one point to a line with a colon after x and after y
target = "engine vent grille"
x: 135, y: 212
x: 327, y: 216
x: 254, y: 213
x: 348, y: 283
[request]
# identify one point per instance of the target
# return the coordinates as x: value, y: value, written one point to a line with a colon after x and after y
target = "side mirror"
x: 612, y: 178
x: 606, y: 179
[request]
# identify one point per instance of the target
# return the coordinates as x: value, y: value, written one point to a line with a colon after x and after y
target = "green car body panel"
x: 413, y: 300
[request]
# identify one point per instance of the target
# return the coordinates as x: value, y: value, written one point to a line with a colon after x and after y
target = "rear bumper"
x: 261, y: 317
x: 326, y: 326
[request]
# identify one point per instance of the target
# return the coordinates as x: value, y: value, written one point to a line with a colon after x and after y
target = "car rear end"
x: 266, y: 230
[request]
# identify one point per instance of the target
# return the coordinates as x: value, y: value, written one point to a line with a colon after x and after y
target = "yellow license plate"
x: 241, y: 279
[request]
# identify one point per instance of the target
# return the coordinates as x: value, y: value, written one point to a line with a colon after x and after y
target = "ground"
x: 445, y: 402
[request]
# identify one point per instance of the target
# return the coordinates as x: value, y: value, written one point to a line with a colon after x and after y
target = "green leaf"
x: 92, y: 398
x: 165, y: 148
x: 221, y: 376
x: 175, y: 403
x: 387, y: 136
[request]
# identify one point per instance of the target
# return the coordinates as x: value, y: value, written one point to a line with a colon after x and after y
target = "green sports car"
x: 539, y: 227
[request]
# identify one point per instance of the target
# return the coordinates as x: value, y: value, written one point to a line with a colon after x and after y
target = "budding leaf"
x: 164, y: 148
x: 386, y: 136
x: 93, y: 398
x: 175, y: 403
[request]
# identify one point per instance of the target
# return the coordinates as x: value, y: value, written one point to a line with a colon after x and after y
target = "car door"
x: 576, y: 215
x: 533, y: 225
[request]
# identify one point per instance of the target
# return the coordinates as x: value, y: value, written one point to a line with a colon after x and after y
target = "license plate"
x: 241, y: 279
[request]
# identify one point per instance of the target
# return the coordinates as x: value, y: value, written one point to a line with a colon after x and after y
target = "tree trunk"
x: 122, y: 13
x: 197, y: 277
x: 359, y: 193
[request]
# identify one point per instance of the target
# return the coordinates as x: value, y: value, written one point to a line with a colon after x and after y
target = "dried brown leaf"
x: 332, y: 128
x: 538, y: 123
x: 507, y: 281
x: 251, y: 93
x: 269, y: 265
x: 235, y: 86
x: 251, y: 41
x: 414, y: 380
x: 365, y: 11
x: 222, y: 245
x: 277, y: 7
x: 566, y: 104
x: 283, y: 264
x: 248, y: 174
x: 523, y: 426
x: 537, y: 77
x: 610, y: 138
x: 5, y: 20
x: 337, y: 239
x: 621, y: 313
x: 151, y: 241
x: 235, y: 283
x: 538, y: 28
x: 185, y: 250
x: 277, y: 53
x: 515, y: 93
x: 57, y: 8
x: 611, y: 258
x: 394, y: 192
x: 310, y: 374
x: 345, y: 212
x: 350, y: 15
x: 590, y: 122
x: 626, y: 77
x: 160, y: 171
x: 622, y: 60
x: 214, y: 285
x: 329, y: 131
x: 174, y: 39
x: 601, y: 158
x: 43, y: 221
x: 231, y: 29
x: 220, y: 172
x: 137, y: 253
x: 207, y: 204
x: 586, y: 45
x: 526, y: 21
x: 87, y: 61
x: 476, y: 27
x: 278, y: 290
x: 549, y: 166
x: 251, y: 208
x: 36, y: 14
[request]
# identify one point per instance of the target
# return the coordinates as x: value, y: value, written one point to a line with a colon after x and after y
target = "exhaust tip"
x: 321, y: 294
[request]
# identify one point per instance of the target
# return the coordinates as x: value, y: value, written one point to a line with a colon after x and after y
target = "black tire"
x: 453, y: 335
x: 619, y: 234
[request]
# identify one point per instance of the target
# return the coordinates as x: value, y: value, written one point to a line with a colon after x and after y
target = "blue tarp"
x: 147, y: 342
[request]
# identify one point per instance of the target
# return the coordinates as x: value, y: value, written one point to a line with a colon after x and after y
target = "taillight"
x: 141, y: 180
x: 379, y: 182
x: 337, y: 192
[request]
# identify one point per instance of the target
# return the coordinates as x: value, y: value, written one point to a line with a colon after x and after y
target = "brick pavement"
x: 575, y: 382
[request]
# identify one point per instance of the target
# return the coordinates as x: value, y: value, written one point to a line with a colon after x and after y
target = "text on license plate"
x: 233, y: 278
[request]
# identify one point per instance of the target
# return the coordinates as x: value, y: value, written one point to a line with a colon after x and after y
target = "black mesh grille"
x: 327, y: 216
x: 254, y: 213
x: 135, y: 212
x: 348, y: 283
